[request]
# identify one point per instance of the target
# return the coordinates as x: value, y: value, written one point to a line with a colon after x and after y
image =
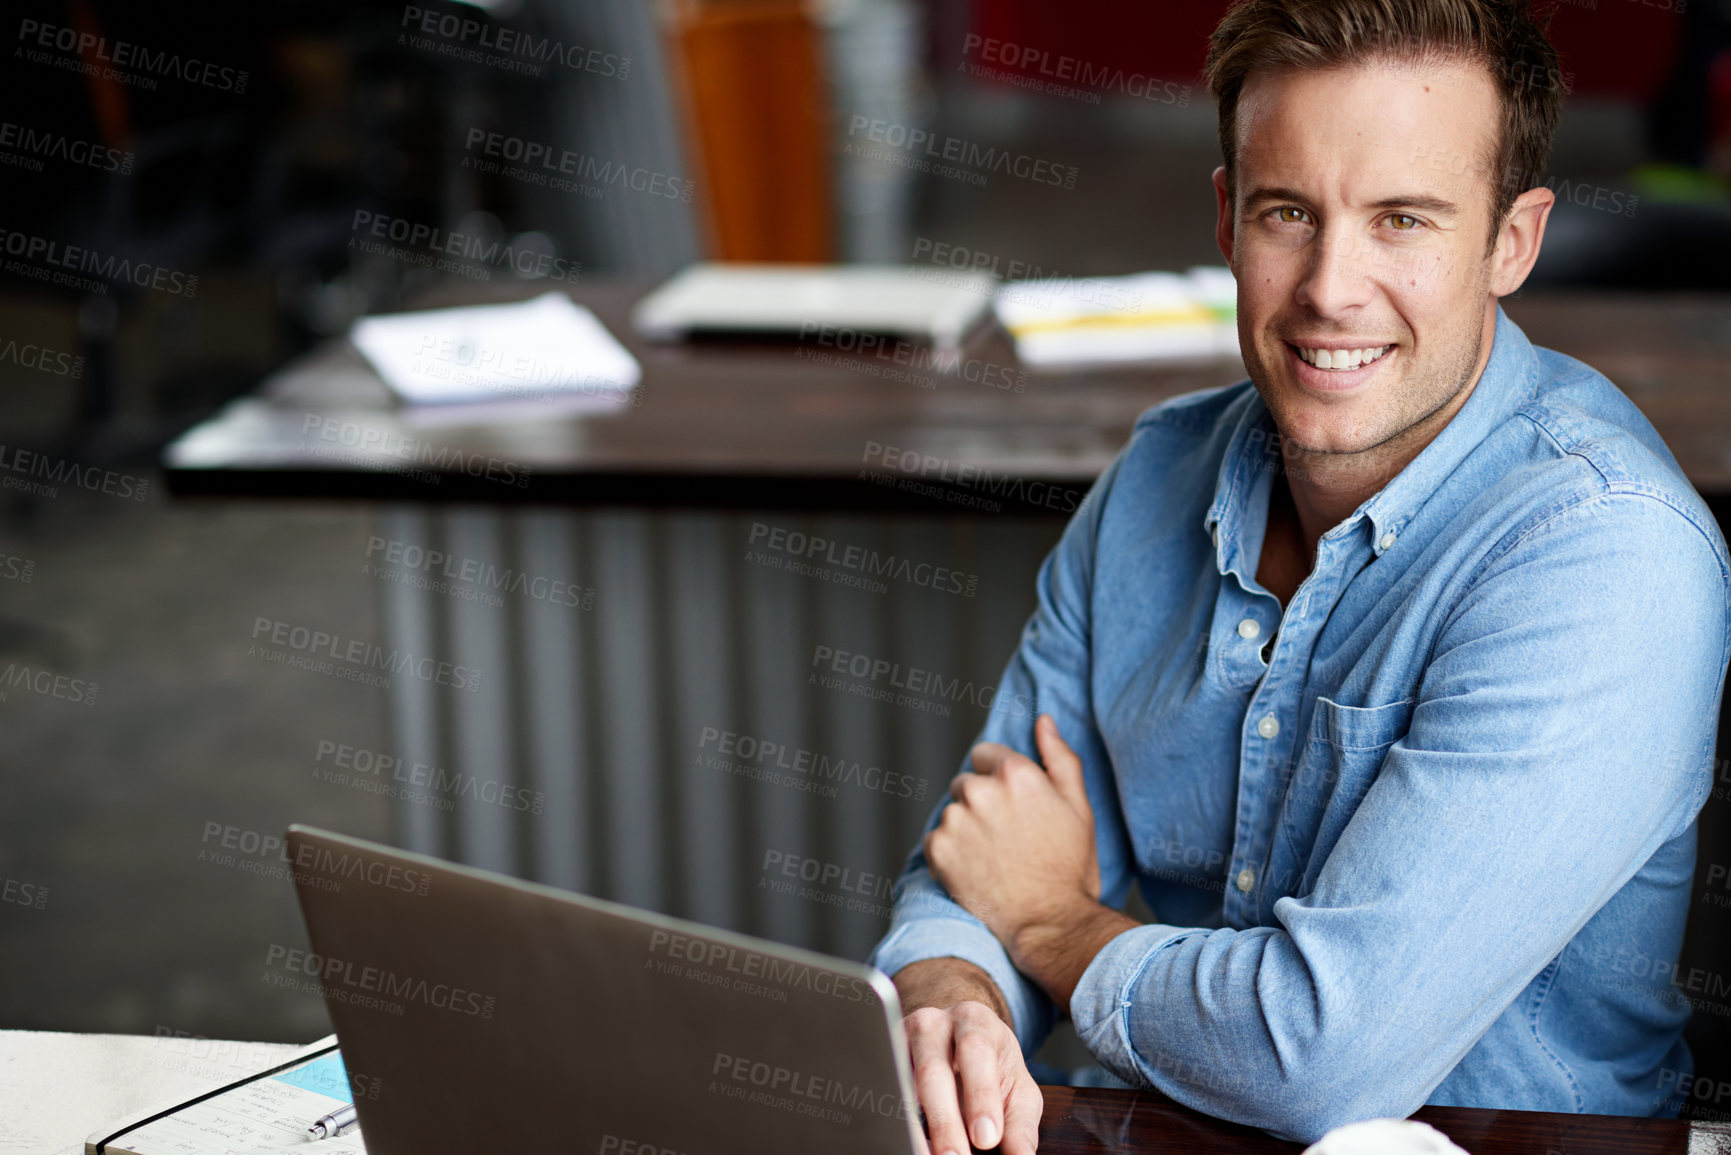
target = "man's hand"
x: 1016, y: 848
x: 968, y: 1068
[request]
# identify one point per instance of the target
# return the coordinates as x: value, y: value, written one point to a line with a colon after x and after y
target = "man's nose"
x: 1341, y: 273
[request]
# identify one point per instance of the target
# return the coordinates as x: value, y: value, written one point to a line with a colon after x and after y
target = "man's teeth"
x: 1342, y: 358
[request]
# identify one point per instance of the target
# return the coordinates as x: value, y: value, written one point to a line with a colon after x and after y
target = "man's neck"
x: 1321, y: 499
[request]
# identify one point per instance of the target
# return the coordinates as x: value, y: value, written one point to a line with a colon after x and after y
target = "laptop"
x: 484, y: 1013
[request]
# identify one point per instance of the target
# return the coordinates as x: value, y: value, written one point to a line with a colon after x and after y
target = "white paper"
x: 266, y: 1115
x: 548, y: 350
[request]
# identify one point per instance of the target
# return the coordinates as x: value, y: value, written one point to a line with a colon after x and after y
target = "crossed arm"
x: 1018, y: 851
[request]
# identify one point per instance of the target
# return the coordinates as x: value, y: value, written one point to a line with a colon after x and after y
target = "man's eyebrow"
x: 1274, y: 194
x: 1422, y: 201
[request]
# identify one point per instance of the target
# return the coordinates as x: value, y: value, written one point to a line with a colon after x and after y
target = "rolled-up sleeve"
x: 1048, y: 674
x: 1562, y: 732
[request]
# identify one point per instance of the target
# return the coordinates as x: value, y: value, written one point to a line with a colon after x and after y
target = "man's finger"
x: 936, y: 846
x: 989, y: 757
x: 980, y: 1063
x: 1062, y: 765
x: 1022, y: 1116
x: 929, y: 1043
x: 961, y: 783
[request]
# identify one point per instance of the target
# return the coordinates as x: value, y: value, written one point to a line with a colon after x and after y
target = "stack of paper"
x: 1106, y: 320
x: 548, y: 349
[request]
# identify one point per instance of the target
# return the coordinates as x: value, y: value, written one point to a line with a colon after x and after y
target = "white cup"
x: 1384, y: 1137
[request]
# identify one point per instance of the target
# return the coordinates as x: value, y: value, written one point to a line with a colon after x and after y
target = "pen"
x: 333, y: 1124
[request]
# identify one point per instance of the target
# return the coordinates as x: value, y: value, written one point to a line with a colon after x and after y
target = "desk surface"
x: 1089, y: 1121
x: 55, y: 1089
x: 742, y: 425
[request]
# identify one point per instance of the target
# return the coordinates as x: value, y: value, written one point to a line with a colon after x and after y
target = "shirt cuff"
x: 1100, y: 1006
x: 927, y: 938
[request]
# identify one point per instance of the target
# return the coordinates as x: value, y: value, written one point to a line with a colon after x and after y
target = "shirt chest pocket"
x: 1340, y: 759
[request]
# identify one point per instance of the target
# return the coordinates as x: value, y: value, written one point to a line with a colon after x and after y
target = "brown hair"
x: 1502, y: 35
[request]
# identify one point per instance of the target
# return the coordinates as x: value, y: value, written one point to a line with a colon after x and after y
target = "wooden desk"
x: 1090, y: 1121
x: 58, y: 1088
x: 760, y: 426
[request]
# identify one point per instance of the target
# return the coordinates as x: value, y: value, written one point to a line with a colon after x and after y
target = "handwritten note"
x: 265, y: 1115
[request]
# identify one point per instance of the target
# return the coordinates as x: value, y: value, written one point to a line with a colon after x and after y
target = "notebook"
x: 266, y: 1112
x: 547, y: 350
x: 1077, y: 321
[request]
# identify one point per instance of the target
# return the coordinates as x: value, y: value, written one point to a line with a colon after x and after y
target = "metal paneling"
x: 583, y: 748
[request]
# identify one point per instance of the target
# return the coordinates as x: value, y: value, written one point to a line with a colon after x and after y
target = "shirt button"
x: 1246, y: 879
x: 1388, y: 540
x: 1269, y: 726
x: 1249, y: 628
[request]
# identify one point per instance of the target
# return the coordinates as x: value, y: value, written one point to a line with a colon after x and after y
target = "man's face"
x: 1350, y: 236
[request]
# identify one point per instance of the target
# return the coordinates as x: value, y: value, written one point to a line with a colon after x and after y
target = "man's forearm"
x: 944, y: 982
x: 1056, y: 952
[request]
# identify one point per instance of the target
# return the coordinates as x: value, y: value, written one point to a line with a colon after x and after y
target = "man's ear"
x: 1223, y: 225
x: 1519, y: 240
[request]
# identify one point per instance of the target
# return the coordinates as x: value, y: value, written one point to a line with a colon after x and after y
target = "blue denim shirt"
x: 1437, y: 847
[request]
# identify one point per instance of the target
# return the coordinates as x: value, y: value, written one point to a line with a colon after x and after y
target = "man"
x: 1389, y: 676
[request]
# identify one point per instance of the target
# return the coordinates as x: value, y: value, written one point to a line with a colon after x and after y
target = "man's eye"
x: 1289, y: 215
x: 1404, y: 222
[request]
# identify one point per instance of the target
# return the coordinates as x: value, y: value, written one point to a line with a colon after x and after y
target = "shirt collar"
x: 1507, y: 382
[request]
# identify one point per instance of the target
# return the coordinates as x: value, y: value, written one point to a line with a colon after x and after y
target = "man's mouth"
x: 1341, y: 359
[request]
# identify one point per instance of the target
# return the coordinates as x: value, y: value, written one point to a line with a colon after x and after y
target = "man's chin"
x: 1317, y: 428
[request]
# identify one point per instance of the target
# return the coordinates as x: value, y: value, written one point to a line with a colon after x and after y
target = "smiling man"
x: 1390, y: 676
